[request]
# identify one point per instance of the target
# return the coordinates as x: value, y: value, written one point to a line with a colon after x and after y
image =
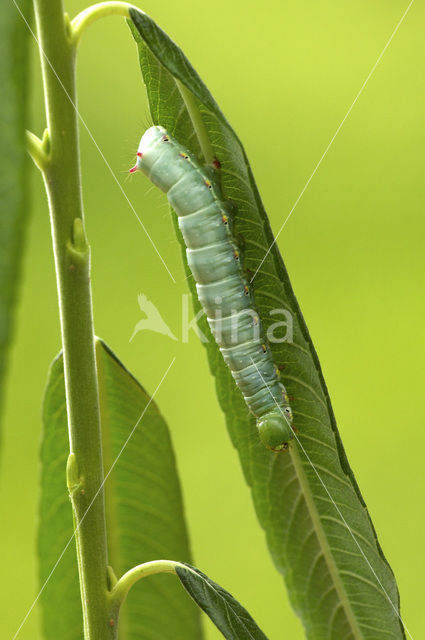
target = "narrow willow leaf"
x: 318, y: 529
x: 14, y: 163
x: 228, y: 615
x: 144, y: 510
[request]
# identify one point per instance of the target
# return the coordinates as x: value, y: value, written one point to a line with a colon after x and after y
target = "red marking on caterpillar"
x: 133, y: 169
x: 216, y: 164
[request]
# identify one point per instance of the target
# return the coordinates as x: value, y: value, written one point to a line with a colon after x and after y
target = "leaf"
x: 14, y: 164
x: 228, y: 615
x: 143, y: 503
x: 317, y: 526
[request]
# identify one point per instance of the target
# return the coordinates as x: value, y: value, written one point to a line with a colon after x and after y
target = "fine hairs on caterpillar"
x: 204, y: 218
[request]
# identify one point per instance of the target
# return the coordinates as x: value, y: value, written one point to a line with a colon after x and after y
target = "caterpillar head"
x: 151, y: 137
x: 275, y: 429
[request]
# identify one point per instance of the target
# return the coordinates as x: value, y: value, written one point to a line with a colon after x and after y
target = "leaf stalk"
x: 90, y: 15
x: 122, y: 587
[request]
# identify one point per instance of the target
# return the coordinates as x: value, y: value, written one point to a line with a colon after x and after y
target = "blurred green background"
x: 284, y: 74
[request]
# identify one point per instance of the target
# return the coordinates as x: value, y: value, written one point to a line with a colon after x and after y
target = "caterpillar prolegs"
x: 204, y: 217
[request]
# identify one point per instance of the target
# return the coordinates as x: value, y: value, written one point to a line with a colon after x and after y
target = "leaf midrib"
x: 323, y: 543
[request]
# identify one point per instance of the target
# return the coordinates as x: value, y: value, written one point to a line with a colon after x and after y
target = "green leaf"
x: 144, y: 510
x: 228, y: 615
x: 318, y: 529
x: 14, y: 164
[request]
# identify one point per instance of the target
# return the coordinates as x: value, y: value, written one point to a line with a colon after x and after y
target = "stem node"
x: 79, y: 238
x: 112, y: 578
x: 73, y: 480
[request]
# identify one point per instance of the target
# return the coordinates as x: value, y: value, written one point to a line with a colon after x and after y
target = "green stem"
x: 61, y: 172
x: 122, y: 587
x: 95, y: 12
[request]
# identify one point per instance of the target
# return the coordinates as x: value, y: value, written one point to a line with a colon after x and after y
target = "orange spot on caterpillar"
x: 184, y: 155
x: 111, y: 622
x: 236, y: 254
x: 139, y: 154
x: 208, y: 184
x: 246, y: 290
x: 216, y: 164
x: 264, y: 348
x: 165, y: 138
x: 224, y: 219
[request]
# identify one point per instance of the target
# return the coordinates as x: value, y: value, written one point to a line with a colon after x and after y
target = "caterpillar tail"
x: 275, y: 430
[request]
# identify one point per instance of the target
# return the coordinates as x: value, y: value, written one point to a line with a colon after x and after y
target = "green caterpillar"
x: 204, y: 218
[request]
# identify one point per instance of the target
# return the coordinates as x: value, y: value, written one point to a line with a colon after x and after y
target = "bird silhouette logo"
x: 153, y: 320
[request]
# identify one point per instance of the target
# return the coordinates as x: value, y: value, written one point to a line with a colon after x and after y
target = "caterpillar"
x: 204, y: 218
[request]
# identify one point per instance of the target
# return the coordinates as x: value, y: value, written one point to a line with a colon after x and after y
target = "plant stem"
x: 61, y: 171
